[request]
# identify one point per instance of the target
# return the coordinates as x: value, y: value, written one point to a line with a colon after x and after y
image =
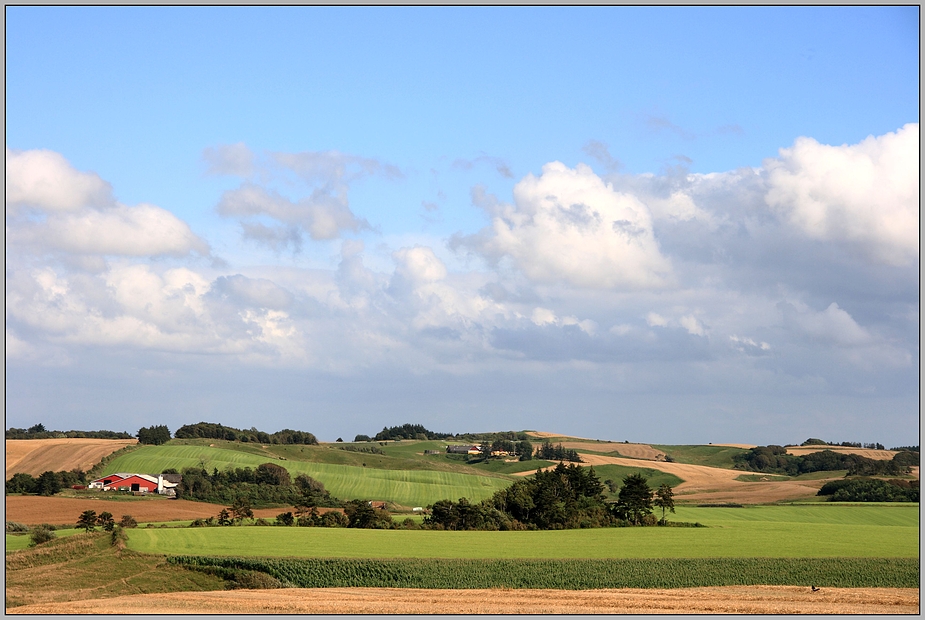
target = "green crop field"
x: 579, y: 574
x: 820, y: 531
x: 405, y: 487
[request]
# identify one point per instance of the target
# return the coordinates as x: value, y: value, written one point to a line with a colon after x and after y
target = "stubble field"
x: 732, y: 599
x: 34, y: 456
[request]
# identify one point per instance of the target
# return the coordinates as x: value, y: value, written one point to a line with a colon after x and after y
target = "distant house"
x: 463, y: 449
x: 137, y: 483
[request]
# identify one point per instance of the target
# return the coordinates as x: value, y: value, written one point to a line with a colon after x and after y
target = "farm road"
x: 713, y: 484
x: 729, y: 599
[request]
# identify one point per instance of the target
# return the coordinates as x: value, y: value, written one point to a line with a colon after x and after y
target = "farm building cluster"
x: 474, y: 449
x: 162, y: 484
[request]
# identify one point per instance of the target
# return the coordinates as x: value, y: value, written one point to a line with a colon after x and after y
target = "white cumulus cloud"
x: 82, y: 218
x: 45, y: 180
x: 568, y: 225
x: 864, y: 194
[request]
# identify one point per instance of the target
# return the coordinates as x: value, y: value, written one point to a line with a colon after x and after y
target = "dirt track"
x: 34, y: 456
x: 64, y: 510
x: 732, y: 599
x: 712, y: 484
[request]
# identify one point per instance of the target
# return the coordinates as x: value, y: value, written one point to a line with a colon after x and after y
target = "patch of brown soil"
x: 745, y: 446
x: 64, y: 510
x: 34, y: 456
x: 704, y: 484
x: 732, y: 599
x: 880, y: 455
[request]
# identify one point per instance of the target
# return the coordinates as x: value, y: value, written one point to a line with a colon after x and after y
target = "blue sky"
x: 341, y: 218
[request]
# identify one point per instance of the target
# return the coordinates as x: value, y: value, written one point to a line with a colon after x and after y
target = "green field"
x: 617, y: 473
x: 711, y: 456
x: 820, y: 531
x: 14, y: 542
x: 405, y: 487
x: 580, y: 574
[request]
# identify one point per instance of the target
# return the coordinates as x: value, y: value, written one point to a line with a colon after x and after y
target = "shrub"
x: 41, y: 534
x: 13, y: 526
x: 128, y: 521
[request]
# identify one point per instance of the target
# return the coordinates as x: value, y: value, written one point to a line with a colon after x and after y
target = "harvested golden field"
x: 880, y: 455
x: 34, y: 456
x: 632, y: 450
x: 62, y: 510
x: 704, y: 484
x: 731, y: 599
x: 744, y: 446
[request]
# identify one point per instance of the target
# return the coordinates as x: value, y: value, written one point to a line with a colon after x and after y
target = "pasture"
x: 404, y: 487
x: 811, y: 531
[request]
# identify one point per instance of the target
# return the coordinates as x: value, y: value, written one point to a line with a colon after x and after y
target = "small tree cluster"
x: 153, y: 435
x: 408, y: 431
x: 549, y: 452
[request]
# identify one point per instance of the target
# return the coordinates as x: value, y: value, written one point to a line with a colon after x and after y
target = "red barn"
x: 126, y: 482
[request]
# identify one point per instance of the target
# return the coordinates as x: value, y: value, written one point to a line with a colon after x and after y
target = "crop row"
x: 571, y: 574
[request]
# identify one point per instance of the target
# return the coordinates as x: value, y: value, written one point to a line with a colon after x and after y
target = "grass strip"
x: 583, y: 574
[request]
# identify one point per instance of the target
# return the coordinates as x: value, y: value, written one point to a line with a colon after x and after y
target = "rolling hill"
x: 34, y: 456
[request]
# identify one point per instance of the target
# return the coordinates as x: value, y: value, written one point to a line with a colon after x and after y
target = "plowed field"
x: 732, y: 599
x: 714, y: 485
x: 64, y: 510
x: 34, y: 456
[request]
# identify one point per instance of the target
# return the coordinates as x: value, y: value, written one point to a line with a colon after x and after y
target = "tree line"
x: 46, y: 483
x: 812, y: 441
x: 870, y: 490
x: 38, y: 431
x: 774, y: 459
x: 209, y: 430
x: 268, y: 484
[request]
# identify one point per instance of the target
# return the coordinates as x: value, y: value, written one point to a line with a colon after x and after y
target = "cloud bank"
x: 795, y: 278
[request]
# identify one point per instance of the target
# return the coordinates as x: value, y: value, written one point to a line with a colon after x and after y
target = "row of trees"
x: 812, y: 441
x: 871, y: 490
x: 47, y: 483
x: 89, y: 520
x: 267, y: 484
x: 209, y: 430
x: 38, y: 431
x: 774, y: 459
